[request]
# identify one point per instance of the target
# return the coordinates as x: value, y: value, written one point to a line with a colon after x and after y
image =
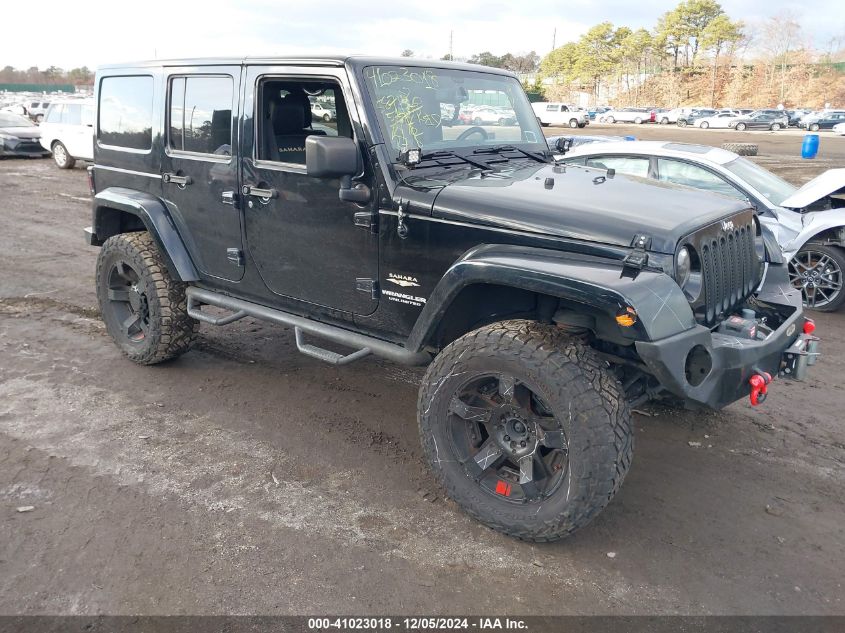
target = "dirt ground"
x: 246, y: 478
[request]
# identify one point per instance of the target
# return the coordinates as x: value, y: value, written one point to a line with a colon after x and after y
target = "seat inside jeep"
x: 286, y: 119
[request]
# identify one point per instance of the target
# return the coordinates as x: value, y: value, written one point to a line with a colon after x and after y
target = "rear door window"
x: 126, y: 112
x: 201, y: 115
x: 681, y: 173
x: 72, y: 114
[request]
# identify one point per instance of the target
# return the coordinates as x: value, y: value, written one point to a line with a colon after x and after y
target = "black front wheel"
x: 817, y: 270
x: 143, y: 307
x: 525, y: 428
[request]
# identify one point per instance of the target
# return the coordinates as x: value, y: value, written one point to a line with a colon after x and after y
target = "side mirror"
x: 330, y: 156
x: 336, y: 157
x: 563, y: 144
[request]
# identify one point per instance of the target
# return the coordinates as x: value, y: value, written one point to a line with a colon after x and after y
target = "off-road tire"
x: 171, y: 331
x: 573, y: 123
x: 584, y: 396
x: 62, y: 157
x: 743, y: 149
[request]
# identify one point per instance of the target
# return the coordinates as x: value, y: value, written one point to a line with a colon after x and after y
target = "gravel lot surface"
x: 246, y: 478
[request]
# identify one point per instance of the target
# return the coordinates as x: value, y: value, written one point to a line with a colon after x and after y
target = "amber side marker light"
x: 626, y: 317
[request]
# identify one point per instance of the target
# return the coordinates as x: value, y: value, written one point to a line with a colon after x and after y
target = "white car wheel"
x: 638, y: 120
x: 61, y: 157
x: 573, y: 123
x: 704, y: 125
x: 610, y: 119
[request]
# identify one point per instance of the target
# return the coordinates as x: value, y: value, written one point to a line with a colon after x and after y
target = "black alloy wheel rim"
x: 818, y: 276
x: 127, y: 299
x: 507, y: 440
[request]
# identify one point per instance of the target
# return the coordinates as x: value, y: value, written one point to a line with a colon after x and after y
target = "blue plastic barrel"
x: 810, y: 147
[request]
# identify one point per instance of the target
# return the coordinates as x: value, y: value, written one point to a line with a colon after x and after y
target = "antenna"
x: 451, y: 54
x: 554, y: 38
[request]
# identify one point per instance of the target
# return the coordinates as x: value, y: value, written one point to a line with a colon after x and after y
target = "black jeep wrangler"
x: 545, y: 300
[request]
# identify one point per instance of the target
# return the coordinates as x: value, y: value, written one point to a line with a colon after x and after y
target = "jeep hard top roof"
x: 354, y: 61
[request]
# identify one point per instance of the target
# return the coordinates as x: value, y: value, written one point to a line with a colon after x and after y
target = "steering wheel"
x: 473, y: 130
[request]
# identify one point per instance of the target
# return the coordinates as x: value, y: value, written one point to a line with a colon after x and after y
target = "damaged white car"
x: 809, y: 222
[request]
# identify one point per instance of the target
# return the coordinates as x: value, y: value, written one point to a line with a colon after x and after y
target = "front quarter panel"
x: 591, y: 282
x: 815, y: 223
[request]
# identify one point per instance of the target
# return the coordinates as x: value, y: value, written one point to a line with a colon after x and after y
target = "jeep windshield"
x: 444, y: 109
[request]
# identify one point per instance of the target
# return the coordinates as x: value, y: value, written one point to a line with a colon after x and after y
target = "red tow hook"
x: 759, y: 387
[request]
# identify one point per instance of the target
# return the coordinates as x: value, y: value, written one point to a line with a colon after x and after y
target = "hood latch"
x: 637, y: 259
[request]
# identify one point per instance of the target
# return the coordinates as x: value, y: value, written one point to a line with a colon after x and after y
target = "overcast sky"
x: 72, y: 33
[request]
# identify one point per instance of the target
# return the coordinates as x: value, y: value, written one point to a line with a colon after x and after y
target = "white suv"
x: 68, y: 131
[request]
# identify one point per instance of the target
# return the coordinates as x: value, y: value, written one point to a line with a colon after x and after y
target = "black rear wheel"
x: 143, y: 307
x: 525, y: 428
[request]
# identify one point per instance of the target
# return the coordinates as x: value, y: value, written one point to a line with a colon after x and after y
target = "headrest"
x: 288, y: 117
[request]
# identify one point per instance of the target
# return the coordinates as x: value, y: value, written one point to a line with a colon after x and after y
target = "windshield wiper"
x: 447, y: 153
x: 498, y: 149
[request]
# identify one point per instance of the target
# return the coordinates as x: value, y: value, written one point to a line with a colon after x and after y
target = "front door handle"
x: 258, y: 192
x: 228, y: 197
x: 175, y: 179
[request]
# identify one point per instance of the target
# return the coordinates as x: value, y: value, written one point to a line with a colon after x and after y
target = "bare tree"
x: 781, y: 36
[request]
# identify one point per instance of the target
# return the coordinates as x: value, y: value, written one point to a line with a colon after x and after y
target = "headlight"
x: 682, y: 266
x: 688, y: 272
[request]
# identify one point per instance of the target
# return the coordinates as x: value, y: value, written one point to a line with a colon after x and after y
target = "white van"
x: 68, y: 131
x: 552, y: 113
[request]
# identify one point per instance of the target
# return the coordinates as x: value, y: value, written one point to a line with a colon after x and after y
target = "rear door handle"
x: 177, y: 180
x: 249, y: 190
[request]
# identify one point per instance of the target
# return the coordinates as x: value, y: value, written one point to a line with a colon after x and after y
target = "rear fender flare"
x: 661, y: 305
x: 153, y: 214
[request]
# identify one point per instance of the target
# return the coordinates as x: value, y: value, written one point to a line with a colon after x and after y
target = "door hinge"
x: 367, y: 220
x: 236, y: 256
x: 369, y: 286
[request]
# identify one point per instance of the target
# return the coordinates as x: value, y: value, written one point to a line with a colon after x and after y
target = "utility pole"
x: 451, y: 53
x: 554, y: 38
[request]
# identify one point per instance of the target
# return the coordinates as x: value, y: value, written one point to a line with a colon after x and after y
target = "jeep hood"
x: 572, y: 202
x: 830, y: 183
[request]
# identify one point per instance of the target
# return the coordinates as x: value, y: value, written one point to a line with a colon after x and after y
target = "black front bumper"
x: 680, y: 362
x: 22, y: 147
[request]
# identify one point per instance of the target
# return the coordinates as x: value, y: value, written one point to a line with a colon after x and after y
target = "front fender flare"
x: 595, y: 282
x: 153, y: 214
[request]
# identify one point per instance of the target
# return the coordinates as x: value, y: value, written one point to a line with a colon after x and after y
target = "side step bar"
x: 365, y: 345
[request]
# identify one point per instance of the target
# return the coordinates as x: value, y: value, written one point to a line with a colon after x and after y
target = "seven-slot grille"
x: 729, y: 266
